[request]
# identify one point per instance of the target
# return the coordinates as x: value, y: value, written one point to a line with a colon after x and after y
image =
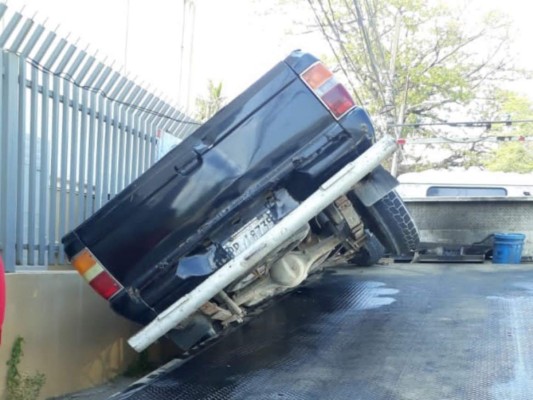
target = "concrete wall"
x: 469, y: 220
x: 70, y: 333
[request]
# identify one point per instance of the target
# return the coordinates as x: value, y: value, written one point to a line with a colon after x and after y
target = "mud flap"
x: 375, y: 186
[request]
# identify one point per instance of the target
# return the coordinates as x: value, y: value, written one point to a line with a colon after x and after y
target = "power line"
x: 465, y: 124
x: 441, y: 140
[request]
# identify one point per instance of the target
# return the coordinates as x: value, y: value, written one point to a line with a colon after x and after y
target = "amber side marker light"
x: 94, y: 273
x: 330, y: 91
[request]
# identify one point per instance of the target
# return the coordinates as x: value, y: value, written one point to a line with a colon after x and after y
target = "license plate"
x: 248, y: 234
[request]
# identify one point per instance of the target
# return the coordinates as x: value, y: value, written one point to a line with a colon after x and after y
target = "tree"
x: 513, y: 156
x: 207, y: 106
x: 410, y: 61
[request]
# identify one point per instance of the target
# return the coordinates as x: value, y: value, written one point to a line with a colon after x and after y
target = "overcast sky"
x: 235, y: 41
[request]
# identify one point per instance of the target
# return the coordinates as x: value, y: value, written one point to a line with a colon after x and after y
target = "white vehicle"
x: 469, y: 183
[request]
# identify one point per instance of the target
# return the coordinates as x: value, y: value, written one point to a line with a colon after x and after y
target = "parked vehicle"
x: 245, y: 208
x: 469, y: 183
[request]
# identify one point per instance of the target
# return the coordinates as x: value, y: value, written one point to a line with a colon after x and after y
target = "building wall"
x: 70, y: 333
x: 465, y: 221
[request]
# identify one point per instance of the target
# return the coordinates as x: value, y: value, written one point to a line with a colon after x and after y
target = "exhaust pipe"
x: 336, y: 186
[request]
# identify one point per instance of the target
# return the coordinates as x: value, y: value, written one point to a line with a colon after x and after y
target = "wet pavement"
x: 403, y: 331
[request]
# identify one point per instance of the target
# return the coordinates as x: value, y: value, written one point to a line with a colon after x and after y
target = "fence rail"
x: 74, y: 133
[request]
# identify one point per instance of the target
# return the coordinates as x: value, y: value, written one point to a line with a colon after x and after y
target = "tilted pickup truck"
x: 282, y: 181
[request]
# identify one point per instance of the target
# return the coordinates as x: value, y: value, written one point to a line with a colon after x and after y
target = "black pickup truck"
x: 228, y: 184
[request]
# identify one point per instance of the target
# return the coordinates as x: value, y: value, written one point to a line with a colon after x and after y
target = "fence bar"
x: 55, y: 54
x: 3, y: 8
x: 54, y: 170
x: 136, y: 138
x: 21, y: 170
x: 82, y: 74
x: 91, y: 156
x: 44, y: 46
x: 100, y: 145
x: 157, y: 126
x: 23, y: 32
x: 43, y: 186
x: 120, y: 133
x: 74, y: 134
x: 8, y: 157
x: 107, y: 146
x: 126, y: 131
x: 117, y: 155
x: 63, y: 212
x: 82, y: 166
x: 32, y: 187
x: 150, y: 100
x: 32, y: 41
x: 75, y: 187
x: 169, y: 122
x: 150, y: 132
x: 84, y: 156
x: 10, y: 27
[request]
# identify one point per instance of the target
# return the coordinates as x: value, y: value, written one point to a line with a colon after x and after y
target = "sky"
x: 233, y: 41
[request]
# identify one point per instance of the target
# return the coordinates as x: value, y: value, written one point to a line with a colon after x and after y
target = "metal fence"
x: 74, y: 133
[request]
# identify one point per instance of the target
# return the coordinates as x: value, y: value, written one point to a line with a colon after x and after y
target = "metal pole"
x: 8, y: 159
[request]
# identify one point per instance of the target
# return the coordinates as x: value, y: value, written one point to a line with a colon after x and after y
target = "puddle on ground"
x: 374, y: 295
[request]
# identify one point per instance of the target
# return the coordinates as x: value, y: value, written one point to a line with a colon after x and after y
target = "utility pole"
x: 391, y: 117
x: 127, y: 34
x: 182, y: 52
x: 186, y: 52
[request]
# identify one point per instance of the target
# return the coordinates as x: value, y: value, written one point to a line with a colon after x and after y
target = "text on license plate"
x: 248, y: 234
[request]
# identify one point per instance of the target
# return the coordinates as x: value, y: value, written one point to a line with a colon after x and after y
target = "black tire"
x: 371, y: 252
x: 391, y: 222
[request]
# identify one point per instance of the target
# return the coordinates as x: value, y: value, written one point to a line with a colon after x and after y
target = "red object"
x: 2, y: 296
x: 401, y: 141
x: 334, y: 95
x: 104, y: 285
x: 338, y: 100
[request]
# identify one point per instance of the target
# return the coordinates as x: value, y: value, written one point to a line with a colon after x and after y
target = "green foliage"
x: 414, y: 58
x: 21, y: 386
x: 505, y: 104
x: 207, y: 106
x: 512, y: 157
x: 140, y: 366
x: 417, y: 61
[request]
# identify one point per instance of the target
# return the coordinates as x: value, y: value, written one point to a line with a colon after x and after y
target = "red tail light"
x: 332, y: 93
x: 94, y: 273
x: 105, y: 285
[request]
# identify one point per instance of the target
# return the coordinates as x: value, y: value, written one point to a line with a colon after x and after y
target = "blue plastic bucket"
x: 507, y: 248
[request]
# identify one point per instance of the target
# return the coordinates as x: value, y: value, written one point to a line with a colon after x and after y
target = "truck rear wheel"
x: 371, y: 252
x: 391, y: 222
